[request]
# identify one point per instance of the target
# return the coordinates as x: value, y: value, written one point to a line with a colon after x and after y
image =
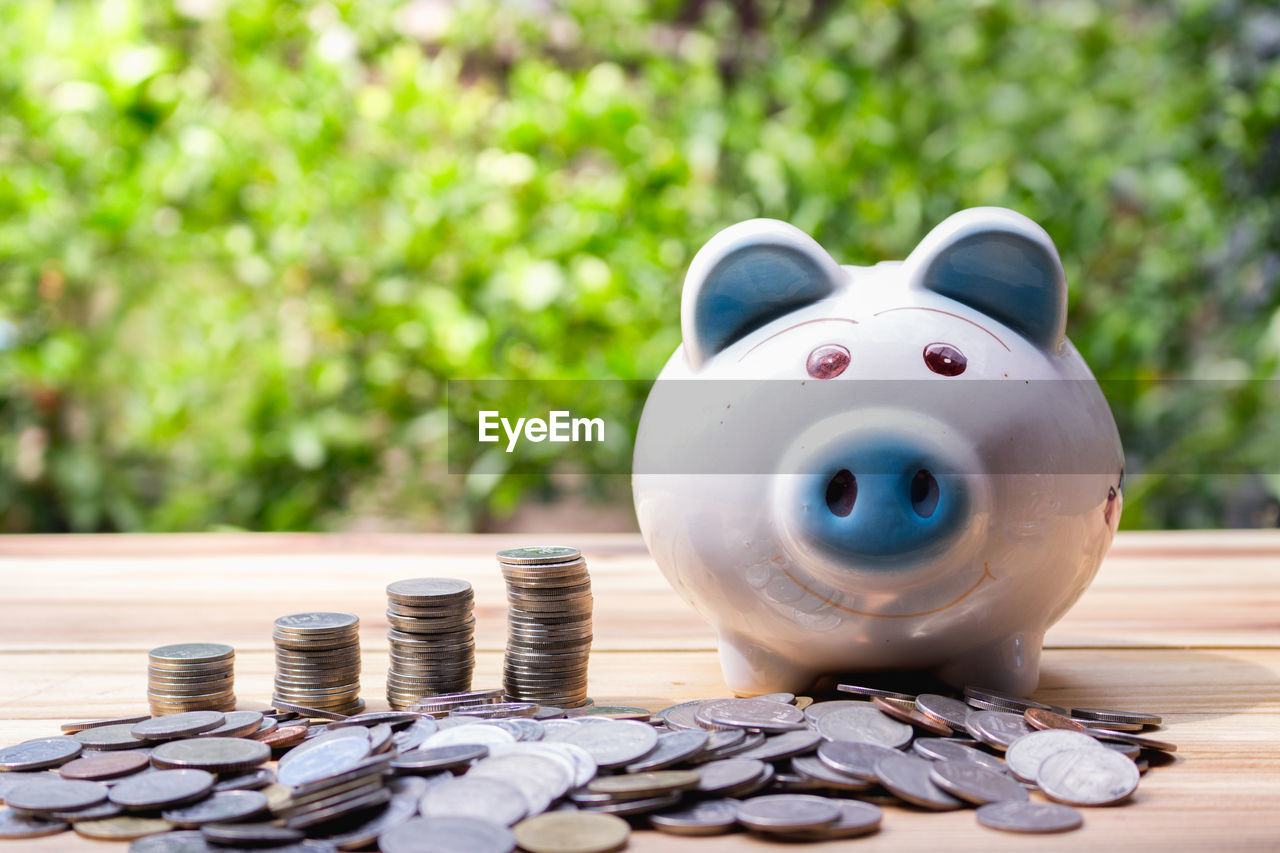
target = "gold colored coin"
x: 572, y: 832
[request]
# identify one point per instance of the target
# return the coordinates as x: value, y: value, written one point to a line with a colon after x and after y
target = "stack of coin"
x: 191, y: 677
x: 318, y: 662
x: 548, y: 625
x: 433, y: 648
x: 443, y: 705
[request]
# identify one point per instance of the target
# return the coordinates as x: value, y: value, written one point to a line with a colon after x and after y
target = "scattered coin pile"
x: 485, y: 775
x: 191, y: 677
x: 433, y: 647
x: 548, y: 625
x: 318, y: 662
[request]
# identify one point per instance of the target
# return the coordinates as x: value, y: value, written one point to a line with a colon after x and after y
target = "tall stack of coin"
x: 433, y: 647
x: 191, y: 677
x: 548, y: 625
x: 318, y: 662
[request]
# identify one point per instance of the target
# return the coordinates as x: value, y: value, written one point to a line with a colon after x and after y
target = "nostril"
x: 924, y: 493
x: 842, y: 491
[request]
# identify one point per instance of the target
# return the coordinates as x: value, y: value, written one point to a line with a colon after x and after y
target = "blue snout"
x: 883, y: 498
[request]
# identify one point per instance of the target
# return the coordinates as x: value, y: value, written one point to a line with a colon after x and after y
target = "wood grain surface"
x: 1183, y: 624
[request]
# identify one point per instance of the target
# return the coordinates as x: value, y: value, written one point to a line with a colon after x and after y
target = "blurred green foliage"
x: 243, y: 245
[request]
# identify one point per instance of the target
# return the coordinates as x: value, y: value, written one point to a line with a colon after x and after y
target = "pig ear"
x: 1000, y: 263
x: 746, y: 276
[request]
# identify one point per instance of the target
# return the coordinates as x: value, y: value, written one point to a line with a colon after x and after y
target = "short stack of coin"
x: 318, y: 662
x: 191, y: 677
x: 432, y: 636
x: 548, y: 625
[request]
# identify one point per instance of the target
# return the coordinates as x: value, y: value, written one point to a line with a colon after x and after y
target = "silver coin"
x: 725, y: 777
x: 478, y: 797
x: 996, y: 700
x: 237, y: 724
x: 223, y: 807
x: 1025, y: 754
x: 774, y: 812
x: 56, y: 795
x: 183, y: 653
x: 672, y: 748
x: 577, y: 767
x: 817, y: 773
x: 540, y: 778
x: 1140, y: 741
x: 944, y: 709
x: 471, y: 731
x: 909, y: 777
x: 532, y: 555
x: 785, y: 745
x: 681, y: 716
x: 178, y: 725
x: 447, y: 835
x: 215, y: 754
x: 430, y: 588
x: 185, y: 841
x: 1088, y: 777
x: 758, y: 714
x: 433, y: 759
x: 864, y: 725
x: 367, y: 830
x: 323, y: 761
x: 707, y: 817
x: 855, y: 758
x: 39, y: 754
x: 249, y: 834
x: 1029, y: 817
x: 816, y: 711
x: 861, y: 690
x: 1130, y: 718
x: 998, y: 729
x: 946, y: 749
x: 251, y: 781
x: 159, y: 789
x: 118, y: 736
x: 318, y: 623
x: 975, y: 784
x: 15, y: 825
x: 14, y: 778
x: 613, y: 743
x: 728, y: 742
x: 856, y: 818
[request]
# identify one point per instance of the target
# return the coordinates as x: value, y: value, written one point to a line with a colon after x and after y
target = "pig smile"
x: 986, y: 573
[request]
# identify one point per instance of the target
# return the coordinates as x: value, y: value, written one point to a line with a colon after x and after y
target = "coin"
x: 124, y: 828
x: 855, y: 758
x: 119, y: 736
x: 55, y: 795
x: 178, y: 725
x: 323, y: 761
x: 105, y: 765
x: 161, y: 789
x: 816, y: 710
x: 816, y: 773
x: 909, y: 777
x: 477, y: 734
x: 317, y: 657
x: 906, y: 712
x: 1029, y: 817
x: 186, y: 841
x: 649, y: 784
x: 774, y: 812
x: 541, y: 778
x: 1135, y: 740
x: 944, y: 749
x: 447, y: 835
x: 1041, y: 719
x: 1102, y: 715
x: 572, y: 832
x: 997, y: 728
x: 438, y: 758
x: 478, y: 797
x: 757, y: 714
x: 613, y: 743
x: 251, y: 781
x: 101, y: 810
x: 864, y: 725
x: 863, y: 690
x: 975, y: 784
x: 996, y: 700
x: 733, y: 776
x: 539, y: 554
x: 549, y: 606
x: 431, y: 637
x: 219, y: 807
x: 1025, y: 754
x: 15, y: 825
x: 943, y: 709
x: 237, y: 724
x: 191, y: 677
x: 1087, y: 777
x: 249, y: 834
x: 698, y: 818
x: 613, y: 712
x: 681, y: 716
x: 215, y: 754
x: 856, y: 818
x: 672, y: 748
x: 39, y: 754
x: 785, y: 745
x: 284, y: 737
x: 360, y: 833
x: 72, y: 728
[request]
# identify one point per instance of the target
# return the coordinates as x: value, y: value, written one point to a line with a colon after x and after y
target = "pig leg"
x: 751, y: 670
x: 1010, y: 664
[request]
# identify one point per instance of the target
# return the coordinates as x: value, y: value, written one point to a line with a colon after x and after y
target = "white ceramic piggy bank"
x: 898, y: 467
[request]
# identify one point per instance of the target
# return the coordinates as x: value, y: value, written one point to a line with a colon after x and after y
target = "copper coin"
x: 1041, y: 719
x: 907, y: 713
x: 284, y: 737
x: 105, y: 765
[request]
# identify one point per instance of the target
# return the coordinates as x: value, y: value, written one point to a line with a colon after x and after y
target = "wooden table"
x: 1183, y: 624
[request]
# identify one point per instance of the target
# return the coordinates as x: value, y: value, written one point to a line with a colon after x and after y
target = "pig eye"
x: 827, y: 362
x: 945, y: 359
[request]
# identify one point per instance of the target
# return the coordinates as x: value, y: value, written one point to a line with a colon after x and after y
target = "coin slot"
x: 924, y: 494
x: 842, y: 491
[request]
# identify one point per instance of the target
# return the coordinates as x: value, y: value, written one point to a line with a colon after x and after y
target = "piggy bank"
x: 898, y: 467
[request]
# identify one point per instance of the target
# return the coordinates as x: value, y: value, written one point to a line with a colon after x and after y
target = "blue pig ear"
x: 1000, y: 263
x: 746, y: 276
